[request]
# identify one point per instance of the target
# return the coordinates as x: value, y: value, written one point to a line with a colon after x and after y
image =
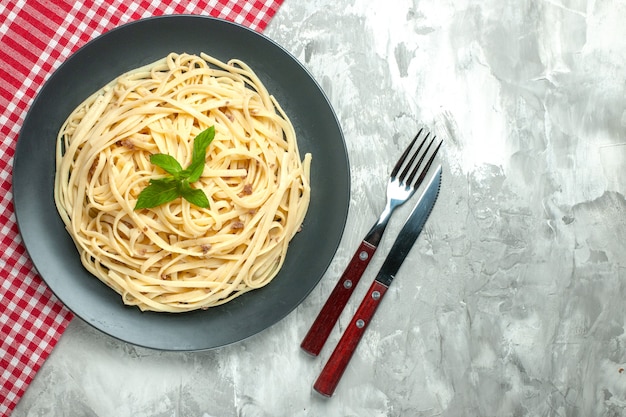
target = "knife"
x: 339, y: 359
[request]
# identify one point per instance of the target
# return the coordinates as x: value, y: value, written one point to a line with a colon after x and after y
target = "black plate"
x: 131, y: 46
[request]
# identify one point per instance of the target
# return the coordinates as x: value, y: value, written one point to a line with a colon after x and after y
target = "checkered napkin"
x: 35, y: 37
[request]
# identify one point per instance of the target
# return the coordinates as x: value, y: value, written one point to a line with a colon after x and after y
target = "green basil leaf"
x: 195, y: 196
x: 193, y: 172
x: 160, y: 191
x: 200, y: 143
x: 198, y: 158
x: 164, y: 190
x: 167, y: 162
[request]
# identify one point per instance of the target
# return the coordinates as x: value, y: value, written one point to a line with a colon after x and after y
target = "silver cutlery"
x: 339, y: 359
x: 404, y: 179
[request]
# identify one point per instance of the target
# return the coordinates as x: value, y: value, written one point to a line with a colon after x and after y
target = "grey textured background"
x: 511, y: 303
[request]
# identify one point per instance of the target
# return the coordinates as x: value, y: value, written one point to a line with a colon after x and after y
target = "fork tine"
x: 411, y: 166
x: 406, y: 152
x: 416, y: 184
x: 408, y: 166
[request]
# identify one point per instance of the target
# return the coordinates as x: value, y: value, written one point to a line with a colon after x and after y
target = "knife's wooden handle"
x: 339, y: 359
x: 330, y: 312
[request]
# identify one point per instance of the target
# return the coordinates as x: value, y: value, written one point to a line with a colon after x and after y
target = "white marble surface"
x: 511, y: 303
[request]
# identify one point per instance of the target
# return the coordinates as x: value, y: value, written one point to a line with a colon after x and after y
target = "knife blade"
x: 339, y: 359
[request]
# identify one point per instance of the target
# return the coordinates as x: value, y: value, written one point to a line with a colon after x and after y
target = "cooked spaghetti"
x: 178, y: 257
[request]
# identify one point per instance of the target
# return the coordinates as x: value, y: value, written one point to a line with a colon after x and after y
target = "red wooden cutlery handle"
x: 330, y: 312
x: 339, y: 359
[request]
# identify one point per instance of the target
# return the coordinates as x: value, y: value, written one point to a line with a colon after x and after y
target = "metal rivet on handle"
x: 375, y: 295
x: 360, y: 323
x: 363, y: 255
x: 347, y: 284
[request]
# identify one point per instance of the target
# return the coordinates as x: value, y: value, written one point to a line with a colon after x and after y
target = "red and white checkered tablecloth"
x: 36, y: 36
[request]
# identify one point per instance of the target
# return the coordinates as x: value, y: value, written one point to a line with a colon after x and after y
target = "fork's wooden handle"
x: 330, y: 312
x: 338, y: 361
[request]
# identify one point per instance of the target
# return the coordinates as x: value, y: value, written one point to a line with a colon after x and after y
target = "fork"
x: 403, y: 181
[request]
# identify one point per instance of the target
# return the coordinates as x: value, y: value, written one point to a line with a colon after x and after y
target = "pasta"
x: 178, y: 257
